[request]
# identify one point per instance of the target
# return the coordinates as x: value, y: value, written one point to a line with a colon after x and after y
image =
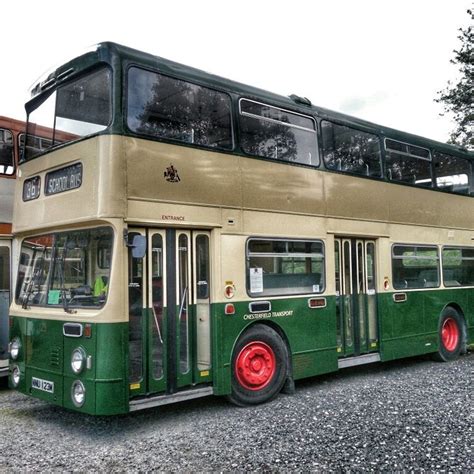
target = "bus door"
x: 356, y: 299
x: 174, y: 325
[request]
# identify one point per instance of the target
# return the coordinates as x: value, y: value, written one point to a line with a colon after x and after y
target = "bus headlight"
x: 15, y: 346
x: 78, y: 359
x: 78, y: 393
x: 16, y: 376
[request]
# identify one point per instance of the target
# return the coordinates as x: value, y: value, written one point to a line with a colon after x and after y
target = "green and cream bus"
x: 196, y: 236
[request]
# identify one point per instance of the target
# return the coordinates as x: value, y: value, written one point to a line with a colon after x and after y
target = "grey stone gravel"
x: 413, y: 415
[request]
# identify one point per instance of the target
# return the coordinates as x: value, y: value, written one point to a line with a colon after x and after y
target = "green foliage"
x: 458, y: 98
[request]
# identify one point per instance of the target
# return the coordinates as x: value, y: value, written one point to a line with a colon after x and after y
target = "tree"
x: 458, y: 98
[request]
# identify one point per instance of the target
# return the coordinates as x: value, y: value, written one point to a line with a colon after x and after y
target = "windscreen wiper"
x: 34, y: 279
x: 62, y: 288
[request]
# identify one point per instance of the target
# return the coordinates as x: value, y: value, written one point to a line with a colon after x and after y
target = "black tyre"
x: 451, y: 335
x: 259, y: 366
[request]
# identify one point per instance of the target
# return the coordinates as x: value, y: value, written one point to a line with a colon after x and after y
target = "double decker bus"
x: 195, y: 236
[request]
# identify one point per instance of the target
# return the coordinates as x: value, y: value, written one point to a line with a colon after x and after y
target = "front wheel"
x: 259, y: 366
x: 451, y: 335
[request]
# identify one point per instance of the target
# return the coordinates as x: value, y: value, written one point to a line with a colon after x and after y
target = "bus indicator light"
x: 317, y: 302
x: 88, y: 331
x: 229, y: 291
x: 386, y: 283
x: 229, y: 309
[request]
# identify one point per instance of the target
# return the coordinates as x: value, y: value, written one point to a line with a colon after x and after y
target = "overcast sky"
x: 379, y: 60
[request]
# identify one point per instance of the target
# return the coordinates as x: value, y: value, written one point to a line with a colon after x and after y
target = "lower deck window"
x: 458, y: 266
x: 284, y: 267
x: 415, y: 267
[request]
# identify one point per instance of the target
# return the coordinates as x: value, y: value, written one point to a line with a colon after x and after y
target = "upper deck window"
x: 77, y: 109
x: 452, y: 174
x: 408, y: 163
x: 351, y: 151
x: 7, y: 163
x: 275, y: 133
x: 164, y: 107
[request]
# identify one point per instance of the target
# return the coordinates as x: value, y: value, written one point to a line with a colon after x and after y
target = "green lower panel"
x: 45, y: 363
x: 409, y: 328
x: 406, y: 328
x: 313, y: 363
x: 310, y: 334
x: 111, y: 398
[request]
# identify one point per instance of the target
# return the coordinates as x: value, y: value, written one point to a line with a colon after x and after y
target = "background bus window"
x: 160, y: 106
x: 452, y: 174
x: 4, y: 268
x: 280, y: 267
x: 351, y: 151
x: 7, y: 165
x: 35, y: 144
x: 415, y: 267
x: 278, y: 134
x: 458, y: 266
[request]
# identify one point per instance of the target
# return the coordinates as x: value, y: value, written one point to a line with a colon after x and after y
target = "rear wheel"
x: 259, y: 366
x: 451, y: 335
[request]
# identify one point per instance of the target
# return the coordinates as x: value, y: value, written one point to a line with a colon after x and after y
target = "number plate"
x: 44, y: 385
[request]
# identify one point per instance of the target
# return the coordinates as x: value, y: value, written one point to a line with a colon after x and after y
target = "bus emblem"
x: 171, y: 175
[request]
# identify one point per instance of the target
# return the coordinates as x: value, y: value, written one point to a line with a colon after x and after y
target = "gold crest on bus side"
x: 171, y: 174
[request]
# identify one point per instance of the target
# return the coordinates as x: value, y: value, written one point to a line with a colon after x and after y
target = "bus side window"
x: 452, y: 174
x: 351, y: 151
x: 6, y: 152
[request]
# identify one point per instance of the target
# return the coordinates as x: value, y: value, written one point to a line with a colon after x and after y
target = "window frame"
x: 455, y: 247
x: 51, y: 261
x: 125, y: 107
x: 359, y: 129
x: 315, y: 131
x: 434, y: 156
x: 410, y: 156
x: 283, y: 239
x: 43, y: 97
x: 416, y: 246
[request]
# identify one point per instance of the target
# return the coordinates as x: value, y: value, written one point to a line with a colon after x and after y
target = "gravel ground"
x: 414, y: 415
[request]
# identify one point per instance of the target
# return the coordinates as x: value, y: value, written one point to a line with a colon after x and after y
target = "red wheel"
x: 255, y: 365
x: 259, y: 366
x: 451, y: 335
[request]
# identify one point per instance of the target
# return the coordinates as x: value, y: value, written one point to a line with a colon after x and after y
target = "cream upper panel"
x: 194, y: 176
x: 101, y: 194
x: 230, y: 181
x: 121, y: 172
